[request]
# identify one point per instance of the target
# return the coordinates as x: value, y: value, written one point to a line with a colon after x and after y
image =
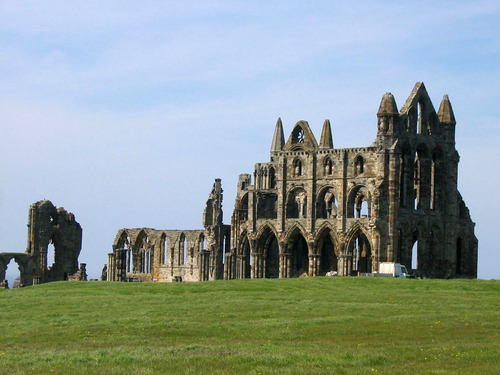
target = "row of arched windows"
x: 328, y: 166
x: 141, y: 260
x: 421, y: 178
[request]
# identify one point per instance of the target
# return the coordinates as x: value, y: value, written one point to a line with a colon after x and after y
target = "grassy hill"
x: 283, y: 326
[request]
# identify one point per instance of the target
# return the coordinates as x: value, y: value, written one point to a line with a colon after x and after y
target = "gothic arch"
x: 298, y: 248
x: 267, y: 253
x: 359, y: 251
x: 326, y: 203
x: 359, y: 202
x: 298, y: 167
x: 244, y: 265
x: 296, y: 203
x: 327, y: 166
x: 328, y: 249
x: 359, y: 165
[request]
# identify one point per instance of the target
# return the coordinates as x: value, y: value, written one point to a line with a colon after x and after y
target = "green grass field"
x: 283, y: 326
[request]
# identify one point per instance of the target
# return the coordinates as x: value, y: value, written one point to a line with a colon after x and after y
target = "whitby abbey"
x: 313, y: 209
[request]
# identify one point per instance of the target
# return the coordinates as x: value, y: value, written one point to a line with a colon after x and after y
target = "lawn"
x: 283, y: 326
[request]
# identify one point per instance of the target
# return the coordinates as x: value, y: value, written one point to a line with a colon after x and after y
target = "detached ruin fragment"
x: 48, y: 226
x: 313, y: 209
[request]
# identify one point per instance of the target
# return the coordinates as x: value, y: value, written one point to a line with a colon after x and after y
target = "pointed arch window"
x: 359, y: 165
x: 298, y: 135
x: 328, y: 166
x: 164, y: 249
x: 417, y: 174
x: 272, y: 178
x: 182, y: 250
x: 297, y: 168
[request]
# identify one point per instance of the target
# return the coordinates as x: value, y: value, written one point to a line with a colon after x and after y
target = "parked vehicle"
x: 391, y: 269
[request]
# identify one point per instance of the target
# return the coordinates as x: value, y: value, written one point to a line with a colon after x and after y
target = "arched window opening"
x: 458, y: 270
x: 331, y: 206
x: 328, y: 258
x: 247, y: 261
x: 358, y: 204
x: 201, y: 243
x: 51, y: 255
x: 146, y: 260
x: 298, y: 135
x: 415, y: 252
x: 300, y: 256
x: 272, y: 258
x: 417, y: 187
x: 297, y: 168
x: 362, y: 208
x: 326, y: 205
x: 182, y: 252
x: 405, y: 176
x: 297, y: 204
x: 272, y: 178
x: 243, y: 208
x: 359, y: 165
x: 13, y: 274
x: 328, y: 166
x: 361, y: 261
x: 267, y: 206
x: 420, y: 120
x: 164, y: 250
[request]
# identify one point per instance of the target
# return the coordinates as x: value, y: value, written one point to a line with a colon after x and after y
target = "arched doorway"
x: 328, y: 257
x: 13, y: 274
x: 297, y: 247
x: 360, y: 254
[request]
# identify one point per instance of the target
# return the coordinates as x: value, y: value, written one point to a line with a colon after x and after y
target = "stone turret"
x: 447, y: 118
x: 388, y: 117
x: 278, y: 138
x: 326, y: 141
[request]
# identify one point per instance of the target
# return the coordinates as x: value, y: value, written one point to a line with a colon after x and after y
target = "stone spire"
x: 387, y: 105
x: 278, y: 138
x: 326, y: 140
x: 445, y: 113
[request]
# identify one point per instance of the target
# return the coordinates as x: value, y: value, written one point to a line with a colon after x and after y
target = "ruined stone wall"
x: 48, y: 226
x: 145, y: 254
x: 314, y: 209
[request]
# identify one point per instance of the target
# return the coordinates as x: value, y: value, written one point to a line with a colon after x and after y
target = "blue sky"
x: 124, y: 112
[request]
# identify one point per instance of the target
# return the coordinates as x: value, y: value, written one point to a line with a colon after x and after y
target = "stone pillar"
x: 204, y: 265
x: 314, y: 265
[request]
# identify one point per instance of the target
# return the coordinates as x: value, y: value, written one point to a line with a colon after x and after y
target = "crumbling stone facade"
x: 313, y: 209
x: 145, y: 254
x: 47, y: 225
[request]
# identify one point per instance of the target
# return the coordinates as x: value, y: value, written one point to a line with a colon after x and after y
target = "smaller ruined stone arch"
x: 24, y: 262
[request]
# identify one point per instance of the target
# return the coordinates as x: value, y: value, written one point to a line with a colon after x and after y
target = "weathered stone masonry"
x: 313, y: 209
x: 47, y: 225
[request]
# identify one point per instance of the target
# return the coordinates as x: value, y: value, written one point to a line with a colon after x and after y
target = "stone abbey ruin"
x: 47, y: 226
x: 314, y: 209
